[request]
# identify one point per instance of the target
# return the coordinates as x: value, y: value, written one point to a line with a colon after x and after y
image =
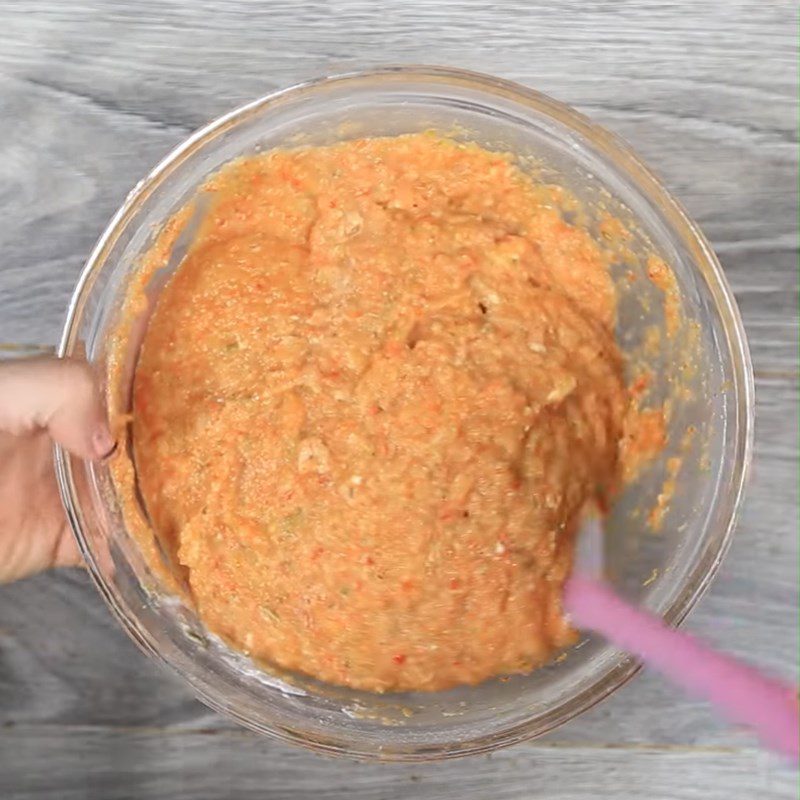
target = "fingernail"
x: 104, y: 444
x: 110, y: 452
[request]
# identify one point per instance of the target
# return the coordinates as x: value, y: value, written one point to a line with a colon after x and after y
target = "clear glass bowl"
x: 666, y: 572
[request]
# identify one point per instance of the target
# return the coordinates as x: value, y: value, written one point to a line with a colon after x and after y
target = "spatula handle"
x: 745, y: 696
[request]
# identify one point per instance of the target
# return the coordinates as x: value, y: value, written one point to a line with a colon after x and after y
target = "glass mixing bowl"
x: 706, y: 376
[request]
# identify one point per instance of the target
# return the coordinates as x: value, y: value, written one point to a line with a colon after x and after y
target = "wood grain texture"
x: 93, y: 93
x: 209, y: 765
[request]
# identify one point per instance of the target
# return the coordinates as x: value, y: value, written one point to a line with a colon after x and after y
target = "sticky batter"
x: 370, y: 406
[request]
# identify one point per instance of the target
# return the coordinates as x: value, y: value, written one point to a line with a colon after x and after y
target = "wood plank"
x: 59, y: 195
x: 117, y: 765
x: 64, y: 660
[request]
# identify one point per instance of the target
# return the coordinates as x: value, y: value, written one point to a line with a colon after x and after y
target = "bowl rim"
x: 701, y: 574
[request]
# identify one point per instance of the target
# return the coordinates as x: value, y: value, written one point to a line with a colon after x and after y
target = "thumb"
x: 60, y: 396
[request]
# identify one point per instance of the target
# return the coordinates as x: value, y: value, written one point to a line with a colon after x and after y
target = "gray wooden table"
x: 93, y: 93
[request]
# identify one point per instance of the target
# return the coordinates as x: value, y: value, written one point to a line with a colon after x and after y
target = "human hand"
x: 43, y: 400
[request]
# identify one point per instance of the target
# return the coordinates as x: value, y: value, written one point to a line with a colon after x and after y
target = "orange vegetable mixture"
x: 371, y: 405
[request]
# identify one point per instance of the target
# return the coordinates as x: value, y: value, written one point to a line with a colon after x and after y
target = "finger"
x: 59, y: 395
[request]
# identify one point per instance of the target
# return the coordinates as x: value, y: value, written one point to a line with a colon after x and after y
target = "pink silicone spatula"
x: 742, y: 694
